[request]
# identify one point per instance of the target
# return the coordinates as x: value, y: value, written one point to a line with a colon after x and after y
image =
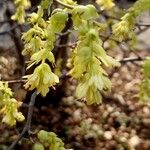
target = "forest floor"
x: 121, y: 122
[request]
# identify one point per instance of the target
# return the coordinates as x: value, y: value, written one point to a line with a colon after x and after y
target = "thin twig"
x: 64, y: 4
x: 28, y: 123
x: 143, y: 30
x: 15, y: 81
x: 131, y: 59
x: 71, y: 45
x: 109, y: 37
x: 143, y: 24
x: 110, y: 17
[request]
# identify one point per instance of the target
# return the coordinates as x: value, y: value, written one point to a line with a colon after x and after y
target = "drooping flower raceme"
x: 124, y: 29
x: 19, y: 15
x: 9, y: 106
x: 39, y: 43
x: 89, y: 56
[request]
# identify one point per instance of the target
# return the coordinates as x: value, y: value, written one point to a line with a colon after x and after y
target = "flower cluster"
x: 48, y: 140
x: 41, y: 79
x: 22, y: 5
x: 89, y: 56
x: 39, y: 43
x: 105, y: 4
x: 124, y: 29
x: 9, y: 106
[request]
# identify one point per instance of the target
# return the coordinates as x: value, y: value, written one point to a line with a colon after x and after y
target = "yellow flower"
x: 93, y: 96
x: 91, y: 86
x: 4, y: 88
x: 81, y: 90
x: 42, y: 55
x: 102, y: 55
x: 32, y: 46
x: 100, y: 82
x: 105, y: 4
x: 9, y: 106
x: 20, y: 11
x: 10, y: 111
x: 41, y: 79
x: 79, y: 67
x: 121, y: 30
x: 88, y: 93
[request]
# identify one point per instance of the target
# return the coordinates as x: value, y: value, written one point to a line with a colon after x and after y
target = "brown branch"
x: 28, y: 123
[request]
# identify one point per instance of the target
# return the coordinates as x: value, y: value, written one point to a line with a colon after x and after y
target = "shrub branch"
x: 28, y: 123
